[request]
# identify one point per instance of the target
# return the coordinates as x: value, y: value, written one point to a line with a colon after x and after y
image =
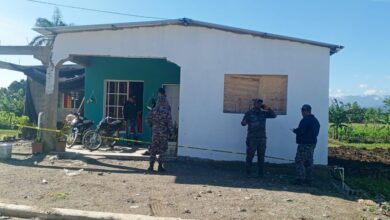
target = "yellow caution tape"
x: 147, y: 142
x: 37, y: 128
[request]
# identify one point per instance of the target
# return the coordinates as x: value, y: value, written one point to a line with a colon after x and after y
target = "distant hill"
x: 364, y: 101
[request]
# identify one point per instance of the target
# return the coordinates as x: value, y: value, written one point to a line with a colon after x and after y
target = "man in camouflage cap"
x: 256, y: 139
x: 160, y: 120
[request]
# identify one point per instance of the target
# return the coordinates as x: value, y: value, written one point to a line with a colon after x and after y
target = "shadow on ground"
x: 192, y: 172
x: 35, y: 161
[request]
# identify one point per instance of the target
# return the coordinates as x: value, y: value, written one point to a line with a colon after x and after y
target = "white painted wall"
x: 204, y: 56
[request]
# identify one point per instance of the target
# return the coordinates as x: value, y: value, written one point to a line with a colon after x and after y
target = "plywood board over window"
x: 241, y: 89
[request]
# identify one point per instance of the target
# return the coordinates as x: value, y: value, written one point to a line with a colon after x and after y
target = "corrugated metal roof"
x: 185, y: 22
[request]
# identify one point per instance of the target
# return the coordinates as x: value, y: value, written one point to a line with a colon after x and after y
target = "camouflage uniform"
x: 304, y: 161
x: 160, y: 120
x: 256, y: 139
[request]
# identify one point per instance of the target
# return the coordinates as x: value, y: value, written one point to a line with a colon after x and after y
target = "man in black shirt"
x: 306, y: 138
x: 130, y: 113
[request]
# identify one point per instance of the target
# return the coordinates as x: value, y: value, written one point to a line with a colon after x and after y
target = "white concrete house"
x: 211, y: 73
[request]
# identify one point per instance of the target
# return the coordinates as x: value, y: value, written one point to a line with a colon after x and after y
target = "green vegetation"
x: 12, y: 98
x: 41, y: 40
x: 58, y: 196
x: 12, y: 109
x: 336, y: 143
x: 10, y: 120
x: 371, y: 185
x: 349, y: 123
x: 8, y: 133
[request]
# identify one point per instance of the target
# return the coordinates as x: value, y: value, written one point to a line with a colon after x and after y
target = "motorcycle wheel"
x: 92, y: 140
x: 71, y: 138
x: 110, y: 142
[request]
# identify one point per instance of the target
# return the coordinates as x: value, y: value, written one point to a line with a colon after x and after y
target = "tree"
x: 12, y: 98
x: 41, y: 40
x: 337, y: 117
x: 387, y: 117
x: 355, y: 113
x: 387, y: 104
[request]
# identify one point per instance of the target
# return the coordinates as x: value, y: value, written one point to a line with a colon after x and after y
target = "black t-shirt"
x: 130, y: 110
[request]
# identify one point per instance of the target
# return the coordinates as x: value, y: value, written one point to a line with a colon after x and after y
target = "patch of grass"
x: 58, y: 196
x: 336, y: 143
x: 371, y: 185
x: 363, y: 133
x: 6, y: 132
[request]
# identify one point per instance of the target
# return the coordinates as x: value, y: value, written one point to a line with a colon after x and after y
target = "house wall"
x: 38, y: 96
x: 153, y: 72
x: 205, y: 55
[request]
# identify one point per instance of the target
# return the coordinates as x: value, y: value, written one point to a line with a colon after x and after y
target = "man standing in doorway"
x: 160, y: 120
x: 130, y: 112
x: 306, y: 138
x: 256, y: 139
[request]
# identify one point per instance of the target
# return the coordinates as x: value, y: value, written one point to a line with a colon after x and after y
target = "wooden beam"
x: 21, y: 50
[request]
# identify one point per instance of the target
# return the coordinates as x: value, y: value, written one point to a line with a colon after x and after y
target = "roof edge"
x: 185, y: 22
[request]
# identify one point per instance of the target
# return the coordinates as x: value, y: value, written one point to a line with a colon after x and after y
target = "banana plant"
x: 337, y: 117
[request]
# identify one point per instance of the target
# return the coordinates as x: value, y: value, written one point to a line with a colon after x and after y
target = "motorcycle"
x: 105, y: 134
x: 78, y: 127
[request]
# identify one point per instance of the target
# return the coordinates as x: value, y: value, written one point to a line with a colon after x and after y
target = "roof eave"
x: 185, y: 22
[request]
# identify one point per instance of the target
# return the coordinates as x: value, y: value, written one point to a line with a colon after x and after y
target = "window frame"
x: 105, y: 93
x: 256, y: 77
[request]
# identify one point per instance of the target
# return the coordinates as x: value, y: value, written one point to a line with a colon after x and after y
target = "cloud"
x: 337, y: 93
x: 363, y: 86
x: 368, y: 92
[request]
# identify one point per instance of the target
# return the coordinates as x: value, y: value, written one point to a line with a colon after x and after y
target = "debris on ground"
x: 242, y: 210
x: 367, y: 202
x: 53, y: 158
x: 74, y: 173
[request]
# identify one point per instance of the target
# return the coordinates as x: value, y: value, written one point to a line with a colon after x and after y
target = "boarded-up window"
x: 241, y: 89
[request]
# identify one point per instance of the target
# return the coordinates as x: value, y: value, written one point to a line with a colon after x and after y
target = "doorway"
x: 117, y: 92
x: 172, y: 92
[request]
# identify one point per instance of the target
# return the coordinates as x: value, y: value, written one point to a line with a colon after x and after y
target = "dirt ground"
x: 189, y: 189
x: 356, y: 161
x: 378, y: 155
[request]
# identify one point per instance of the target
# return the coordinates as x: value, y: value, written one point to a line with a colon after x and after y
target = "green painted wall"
x: 154, y: 73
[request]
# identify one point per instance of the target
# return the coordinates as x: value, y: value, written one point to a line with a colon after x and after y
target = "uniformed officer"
x: 160, y: 120
x: 256, y: 139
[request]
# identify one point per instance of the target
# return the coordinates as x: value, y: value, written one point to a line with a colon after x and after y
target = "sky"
x: 361, y: 26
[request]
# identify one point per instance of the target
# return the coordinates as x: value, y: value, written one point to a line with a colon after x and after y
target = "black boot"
x: 260, y: 172
x: 248, y: 169
x: 161, y: 168
x: 151, y: 165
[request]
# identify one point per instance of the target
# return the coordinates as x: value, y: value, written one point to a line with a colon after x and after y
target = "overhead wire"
x: 96, y: 10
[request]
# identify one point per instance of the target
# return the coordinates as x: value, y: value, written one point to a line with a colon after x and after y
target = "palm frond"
x: 43, y: 22
x: 39, y: 40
